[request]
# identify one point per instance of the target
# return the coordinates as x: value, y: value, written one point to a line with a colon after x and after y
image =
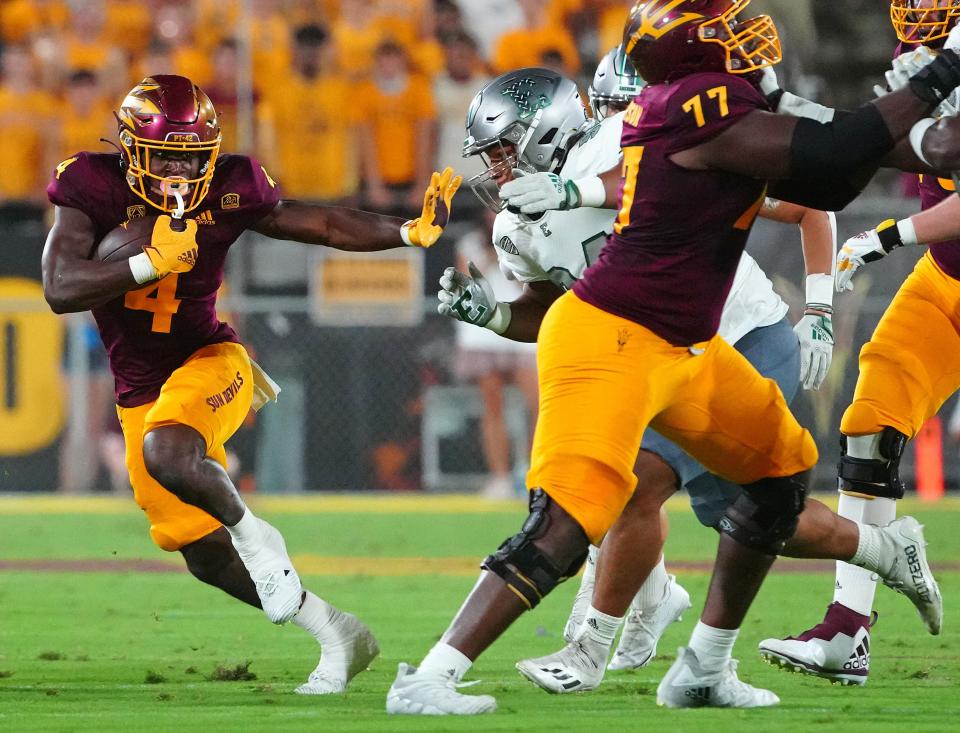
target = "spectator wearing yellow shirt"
x: 174, y: 25
x: 525, y: 46
x: 309, y: 119
x: 128, y: 24
x: 87, y: 45
x: 454, y: 90
x: 356, y: 35
x: 223, y: 93
x: 88, y: 117
x: 21, y: 19
x: 27, y: 129
x: 398, y: 133
x: 412, y: 24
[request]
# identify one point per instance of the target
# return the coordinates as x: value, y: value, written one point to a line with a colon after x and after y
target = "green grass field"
x: 100, y: 631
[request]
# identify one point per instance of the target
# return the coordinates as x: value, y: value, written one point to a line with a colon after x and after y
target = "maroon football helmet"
x: 669, y: 39
x: 165, y: 115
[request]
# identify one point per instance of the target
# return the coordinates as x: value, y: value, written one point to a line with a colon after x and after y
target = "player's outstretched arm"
x: 71, y: 281
x: 833, y: 158
x: 469, y: 298
x: 937, y: 224
x: 363, y: 231
x: 538, y: 192
x: 818, y: 235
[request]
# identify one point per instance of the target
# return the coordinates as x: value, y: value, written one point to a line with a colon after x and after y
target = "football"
x: 126, y: 240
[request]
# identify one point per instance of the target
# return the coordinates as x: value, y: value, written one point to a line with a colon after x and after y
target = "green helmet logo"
x: 520, y: 91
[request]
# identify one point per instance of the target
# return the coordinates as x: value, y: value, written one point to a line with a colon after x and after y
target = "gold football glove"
x: 171, y: 250
x: 426, y: 230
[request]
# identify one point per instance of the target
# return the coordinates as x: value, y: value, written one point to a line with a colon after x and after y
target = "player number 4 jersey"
x: 151, y: 331
x: 561, y: 245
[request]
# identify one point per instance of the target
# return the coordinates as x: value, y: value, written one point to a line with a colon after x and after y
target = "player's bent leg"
x: 184, y: 430
x: 213, y: 560
x: 753, y: 531
x: 550, y: 547
x: 631, y: 547
x: 176, y: 457
x: 581, y: 602
x: 632, y: 578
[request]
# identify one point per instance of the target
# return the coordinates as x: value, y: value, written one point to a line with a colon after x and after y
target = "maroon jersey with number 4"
x: 671, y: 260
x: 150, y: 332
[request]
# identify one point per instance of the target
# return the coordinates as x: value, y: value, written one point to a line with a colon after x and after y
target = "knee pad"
x: 526, y: 569
x: 765, y: 515
x: 876, y: 476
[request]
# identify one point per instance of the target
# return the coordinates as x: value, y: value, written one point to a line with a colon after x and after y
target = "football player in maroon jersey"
x: 184, y: 383
x: 634, y: 344
x: 895, y: 395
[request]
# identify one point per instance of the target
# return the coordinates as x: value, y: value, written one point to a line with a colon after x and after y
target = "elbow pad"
x: 841, y: 147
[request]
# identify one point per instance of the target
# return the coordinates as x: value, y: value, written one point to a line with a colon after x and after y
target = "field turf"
x: 100, y: 631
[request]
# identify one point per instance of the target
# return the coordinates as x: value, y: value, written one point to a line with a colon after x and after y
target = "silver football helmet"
x: 615, y: 82
x: 531, y: 118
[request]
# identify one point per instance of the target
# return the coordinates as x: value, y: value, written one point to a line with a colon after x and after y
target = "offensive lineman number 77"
x: 694, y: 105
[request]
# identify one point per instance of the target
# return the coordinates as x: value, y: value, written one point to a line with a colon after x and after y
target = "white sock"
x: 653, y: 589
x: 590, y: 566
x: 867, y: 555
x: 856, y: 586
x: 600, y: 627
x: 713, y: 647
x: 317, y: 617
x: 246, y: 533
x: 447, y: 660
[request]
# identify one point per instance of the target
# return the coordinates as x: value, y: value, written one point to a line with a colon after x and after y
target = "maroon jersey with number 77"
x: 671, y: 260
x: 150, y: 332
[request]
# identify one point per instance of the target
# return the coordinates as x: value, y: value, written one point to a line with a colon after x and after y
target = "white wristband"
x: 142, y: 268
x: 501, y: 318
x: 908, y: 233
x: 593, y: 194
x: 405, y: 233
x: 916, y: 136
x: 820, y: 290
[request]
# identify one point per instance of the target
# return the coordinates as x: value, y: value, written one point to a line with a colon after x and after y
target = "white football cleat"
x: 578, y: 667
x: 433, y: 693
x: 277, y: 583
x: 688, y: 685
x: 644, y: 627
x: 836, y: 649
x: 909, y: 572
x: 342, y: 659
x: 581, y: 604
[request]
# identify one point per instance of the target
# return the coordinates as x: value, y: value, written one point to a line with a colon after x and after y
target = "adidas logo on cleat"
x: 860, y: 659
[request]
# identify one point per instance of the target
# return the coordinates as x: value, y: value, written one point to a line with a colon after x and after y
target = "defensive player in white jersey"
x: 547, y: 253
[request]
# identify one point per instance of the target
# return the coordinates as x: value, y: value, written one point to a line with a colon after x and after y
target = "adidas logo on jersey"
x: 206, y: 217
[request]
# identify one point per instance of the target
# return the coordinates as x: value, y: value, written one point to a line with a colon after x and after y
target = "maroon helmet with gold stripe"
x: 669, y: 39
x: 168, y: 114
